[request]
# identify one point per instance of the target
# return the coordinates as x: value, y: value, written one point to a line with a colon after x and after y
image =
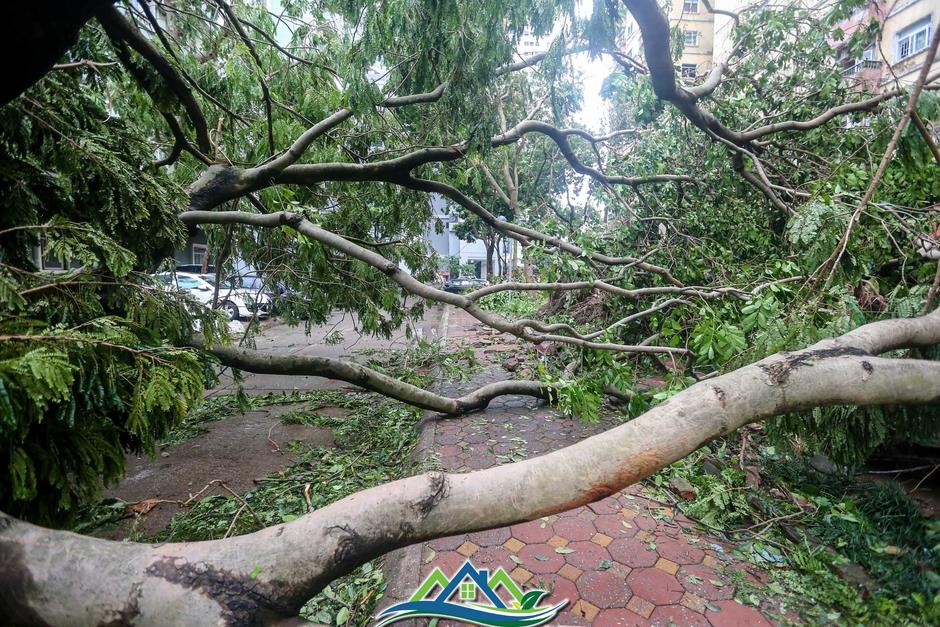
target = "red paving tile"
x: 493, y: 557
x: 541, y: 559
x: 679, y: 551
x: 604, y: 588
x: 655, y: 585
x: 558, y: 589
x: 632, y: 552
x: 733, y: 614
x: 619, y: 617
x: 532, y: 532
x: 574, y: 528
x: 586, y: 555
x: 676, y: 616
x: 613, y: 525
x: 493, y: 537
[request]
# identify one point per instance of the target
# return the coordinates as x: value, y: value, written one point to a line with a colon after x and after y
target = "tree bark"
x: 61, y: 578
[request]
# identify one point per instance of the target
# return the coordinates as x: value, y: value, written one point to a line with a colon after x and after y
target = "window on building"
x: 912, y: 39
x: 689, y: 70
x: 200, y: 254
x: 690, y: 6
x: 468, y: 591
x: 691, y: 37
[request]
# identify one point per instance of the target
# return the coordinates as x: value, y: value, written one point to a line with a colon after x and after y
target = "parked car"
x: 464, y: 284
x: 236, y: 301
x: 194, y: 268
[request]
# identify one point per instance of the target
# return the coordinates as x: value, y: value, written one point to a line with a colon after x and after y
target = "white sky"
x: 593, y: 114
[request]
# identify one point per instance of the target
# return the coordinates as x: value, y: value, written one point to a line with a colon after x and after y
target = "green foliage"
x: 875, y: 525
x: 88, y: 370
x: 514, y: 304
x: 58, y: 162
x: 423, y: 361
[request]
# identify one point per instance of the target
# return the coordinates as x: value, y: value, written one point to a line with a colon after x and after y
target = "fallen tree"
x: 265, y: 577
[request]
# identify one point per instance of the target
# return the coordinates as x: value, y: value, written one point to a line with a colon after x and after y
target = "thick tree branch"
x: 265, y: 90
x: 372, y: 380
x: 269, y: 575
x: 118, y: 28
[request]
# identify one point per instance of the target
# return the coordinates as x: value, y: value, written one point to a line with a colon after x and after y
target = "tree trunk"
x: 61, y: 578
x: 488, y: 243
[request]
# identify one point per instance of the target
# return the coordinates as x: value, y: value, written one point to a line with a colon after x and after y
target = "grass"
x: 514, y: 304
x: 221, y: 406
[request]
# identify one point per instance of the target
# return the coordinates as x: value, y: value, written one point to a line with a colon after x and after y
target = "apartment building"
x: 898, y: 50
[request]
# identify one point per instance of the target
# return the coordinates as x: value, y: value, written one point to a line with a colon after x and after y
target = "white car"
x: 237, y: 303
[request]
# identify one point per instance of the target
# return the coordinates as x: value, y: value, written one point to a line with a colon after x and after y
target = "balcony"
x: 860, y: 66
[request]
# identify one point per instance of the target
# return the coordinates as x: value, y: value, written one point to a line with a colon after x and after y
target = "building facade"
x: 898, y: 50
x: 446, y: 244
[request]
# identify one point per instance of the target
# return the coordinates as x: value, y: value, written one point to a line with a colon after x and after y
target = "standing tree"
x: 307, y: 142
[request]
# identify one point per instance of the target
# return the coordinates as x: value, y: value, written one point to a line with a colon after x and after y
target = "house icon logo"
x: 472, y: 596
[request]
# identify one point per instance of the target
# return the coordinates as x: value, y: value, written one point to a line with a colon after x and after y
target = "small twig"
x: 234, y: 520
x: 307, y: 498
x: 277, y: 449
x: 927, y: 476
x: 83, y: 63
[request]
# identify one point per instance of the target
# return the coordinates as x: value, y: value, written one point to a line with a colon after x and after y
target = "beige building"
x: 697, y: 26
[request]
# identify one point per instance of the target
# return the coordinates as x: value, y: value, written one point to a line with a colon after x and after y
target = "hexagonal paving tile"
x: 613, y: 526
x: 532, y: 531
x: 632, y: 552
x: 620, y: 617
x: 541, y: 559
x: 493, y: 557
x: 574, y: 529
x: 586, y: 555
x: 558, y: 589
x: 492, y: 537
x: 674, y: 615
x: 448, y: 561
x: 604, y: 589
x: 733, y: 614
x: 679, y: 551
x: 449, y: 543
x: 609, y: 505
x: 655, y: 586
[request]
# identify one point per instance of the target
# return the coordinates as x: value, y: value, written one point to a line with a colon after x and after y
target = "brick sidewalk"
x: 625, y: 560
